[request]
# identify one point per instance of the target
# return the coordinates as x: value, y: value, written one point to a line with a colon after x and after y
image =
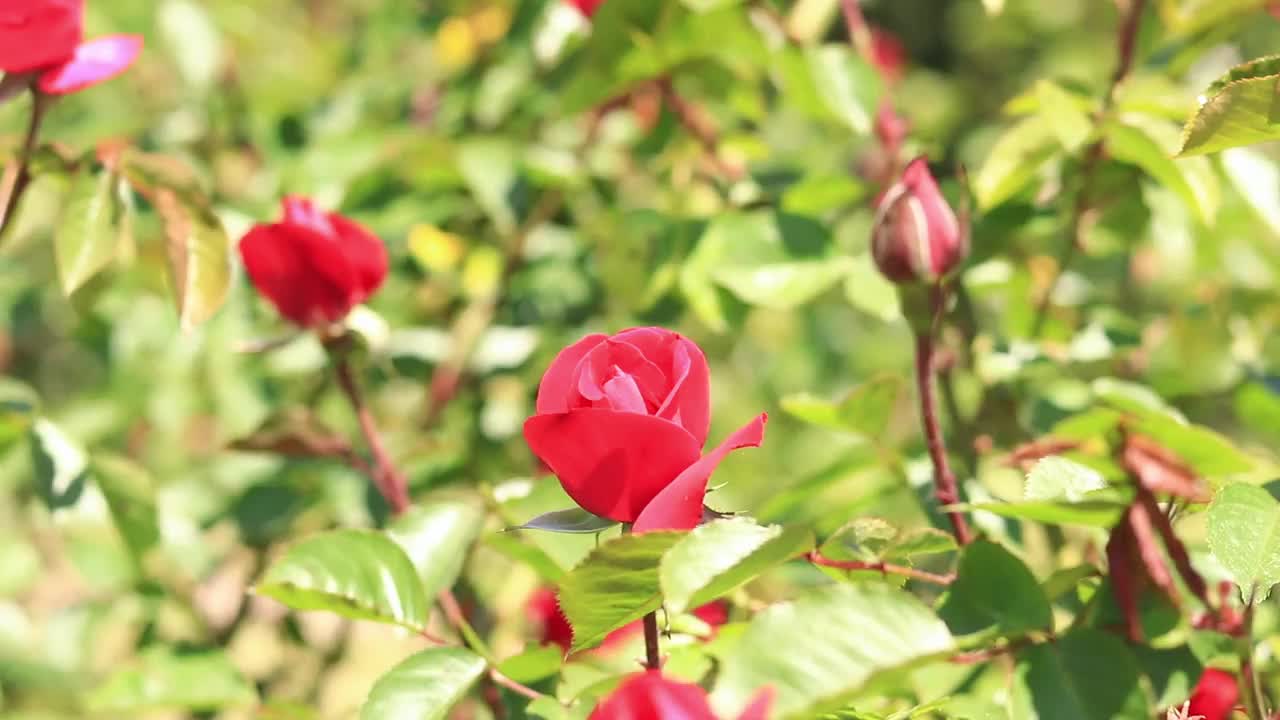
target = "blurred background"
x: 533, y: 183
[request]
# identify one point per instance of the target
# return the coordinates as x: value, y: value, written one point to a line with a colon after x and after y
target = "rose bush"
x: 621, y: 421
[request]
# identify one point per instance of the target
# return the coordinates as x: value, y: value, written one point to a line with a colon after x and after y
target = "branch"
x: 883, y: 568
x: 1125, y: 41
x: 388, y: 479
x: 699, y: 125
x: 458, y: 619
x: 39, y: 103
x: 859, y: 33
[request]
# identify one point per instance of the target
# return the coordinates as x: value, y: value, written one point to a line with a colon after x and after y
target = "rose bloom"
x: 312, y: 265
x: 650, y: 696
x: 916, y: 237
x: 621, y: 421
x: 43, y: 38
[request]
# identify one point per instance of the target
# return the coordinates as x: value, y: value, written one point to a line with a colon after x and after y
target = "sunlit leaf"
x: 1244, y: 535
x: 425, y: 686
x: 436, y: 537
x: 719, y: 556
x: 163, y: 678
x: 85, y: 241
x: 993, y: 589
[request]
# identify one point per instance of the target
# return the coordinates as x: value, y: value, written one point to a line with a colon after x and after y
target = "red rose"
x: 621, y: 421
x: 587, y: 7
x: 35, y: 34
x: 916, y: 237
x: 1215, y: 695
x: 544, y: 609
x: 313, y: 266
x: 649, y: 696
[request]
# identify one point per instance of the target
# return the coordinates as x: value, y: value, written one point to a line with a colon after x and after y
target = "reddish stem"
x: 944, y: 481
x: 39, y: 103
x: 883, y: 568
x: 388, y: 479
x: 653, y: 660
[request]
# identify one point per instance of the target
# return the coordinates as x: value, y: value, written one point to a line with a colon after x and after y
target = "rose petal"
x: 36, y: 35
x: 94, y: 61
x: 611, y: 463
x: 624, y: 395
x: 365, y: 252
x: 679, y: 505
x: 648, y: 695
x: 300, y: 271
x: 689, y: 402
x: 557, y: 382
x: 760, y: 704
x: 300, y: 210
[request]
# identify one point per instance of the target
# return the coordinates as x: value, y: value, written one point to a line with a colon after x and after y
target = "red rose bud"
x: 649, y: 696
x: 36, y: 34
x: 313, y: 266
x: 587, y: 7
x: 1215, y: 696
x: 94, y: 61
x: 916, y: 237
x: 621, y: 421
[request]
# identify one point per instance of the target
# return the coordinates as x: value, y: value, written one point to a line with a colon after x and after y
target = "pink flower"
x: 313, y: 266
x: 621, y: 421
x: 916, y: 237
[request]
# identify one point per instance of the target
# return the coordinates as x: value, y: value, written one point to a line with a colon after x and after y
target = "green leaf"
x: 358, y: 574
x: 616, y: 584
x: 786, y: 285
x: 130, y: 493
x: 1069, y: 122
x: 437, y: 538
x: 1092, y: 511
x: 1014, y: 161
x: 425, y: 686
x: 533, y: 664
x: 847, y: 84
x: 994, y: 589
x: 1150, y: 144
x: 820, y: 650
x: 706, y: 5
x: 85, y: 240
x: 1240, y: 110
x: 869, y: 291
x: 1257, y: 179
x: 199, y: 254
x: 1057, y: 478
x: 59, y: 465
x: 1084, y: 674
x: 1244, y: 535
x: 865, y: 411
x: 489, y: 167
x: 193, y: 40
x: 571, y: 520
x: 163, y: 678
x: 719, y: 556
x: 1208, y: 453
x: 536, y: 558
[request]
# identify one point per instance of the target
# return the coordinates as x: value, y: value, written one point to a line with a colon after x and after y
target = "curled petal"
x: 611, y: 463
x: 557, y: 384
x: 679, y: 505
x: 94, y: 61
x: 689, y: 402
x: 598, y: 367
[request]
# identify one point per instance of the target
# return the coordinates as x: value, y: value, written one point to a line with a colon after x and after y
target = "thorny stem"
x: 39, y: 103
x: 944, y: 481
x: 388, y: 479
x: 883, y: 568
x: 1125, y: 39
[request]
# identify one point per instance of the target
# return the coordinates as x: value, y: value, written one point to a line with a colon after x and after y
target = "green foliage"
x: 426, y: 685
x: 1244, y: 534
x: 1085, y: 673
x: 354, y: 573
x: 994, y: 590
x: 717, y: 557
x: 163, y: 678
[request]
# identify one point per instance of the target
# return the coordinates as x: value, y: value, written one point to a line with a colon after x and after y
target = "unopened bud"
x: 916, y: 237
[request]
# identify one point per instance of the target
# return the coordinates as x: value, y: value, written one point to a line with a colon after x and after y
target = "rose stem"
x: 944, y: 481
x: 1254, y: 702
x: 882, y: 567
x: 389, y: 481
x: 39, y: 103
x: 1126, y: 36
x: 652, y: 660
x: 391, y: 484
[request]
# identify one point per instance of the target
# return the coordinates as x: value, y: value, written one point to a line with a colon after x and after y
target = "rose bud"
x: 313, y: 266
x: 649, y: 696
x: 1215, y: 695
x: 587, y: 7
x: 36, y: 34
x: 888, y: 55
x: 916, y: 237
x: 621, y: 420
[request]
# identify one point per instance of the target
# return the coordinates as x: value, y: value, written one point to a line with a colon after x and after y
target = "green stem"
x: 1254, y: 701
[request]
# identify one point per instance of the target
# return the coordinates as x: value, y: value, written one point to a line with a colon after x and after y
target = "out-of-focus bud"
x: 888, y: 54
x: 916, y: 237
x: 890, y: 127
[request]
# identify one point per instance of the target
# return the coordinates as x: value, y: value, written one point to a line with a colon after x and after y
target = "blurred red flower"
x: 313, y: 266
x: 44, y: 37
x: 1215, y: 695
x: 650, y: 696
